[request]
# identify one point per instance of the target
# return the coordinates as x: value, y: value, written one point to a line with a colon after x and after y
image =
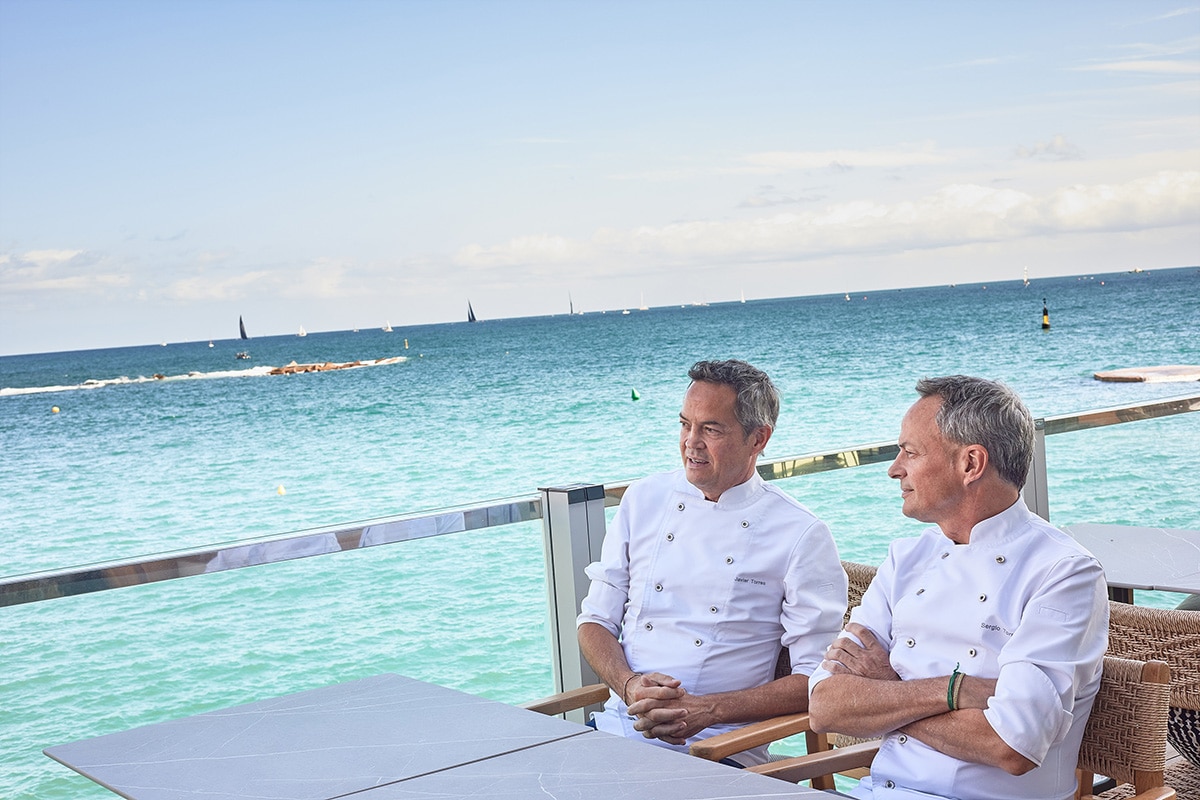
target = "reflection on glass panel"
x: 464, y: 610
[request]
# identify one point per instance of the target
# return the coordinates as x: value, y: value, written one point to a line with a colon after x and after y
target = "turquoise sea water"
x: 132, y: 465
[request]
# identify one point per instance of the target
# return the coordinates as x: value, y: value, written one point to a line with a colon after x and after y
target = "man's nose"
x: 894, y: 470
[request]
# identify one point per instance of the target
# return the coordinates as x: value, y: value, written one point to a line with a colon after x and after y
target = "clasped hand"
x: 866, y: 660
x: 664, y: 709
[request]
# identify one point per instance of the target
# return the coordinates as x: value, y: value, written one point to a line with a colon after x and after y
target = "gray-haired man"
x: 705, y: 574
x: 976, y: 652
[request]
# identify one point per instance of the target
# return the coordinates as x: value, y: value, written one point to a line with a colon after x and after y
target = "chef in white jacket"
x: 705, y: 573
x: 977, y: 650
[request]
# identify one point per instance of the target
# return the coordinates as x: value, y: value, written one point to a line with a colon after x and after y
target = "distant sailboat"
x: 242, y: 328
x: 387, y: 327
x: 643, y: 306
x: 302, y: 331
x: 1026, y: 276
x: 743, y: 295
x: 570, y: 304
x: 470, y: 313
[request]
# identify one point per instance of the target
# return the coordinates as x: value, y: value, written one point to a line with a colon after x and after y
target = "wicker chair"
x: 755, y: 734
x: 1125, y: 736
x: 1143, y: 633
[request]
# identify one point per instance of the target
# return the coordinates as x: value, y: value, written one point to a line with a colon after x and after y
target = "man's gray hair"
x: 757, y: 404
x: 983, y: 412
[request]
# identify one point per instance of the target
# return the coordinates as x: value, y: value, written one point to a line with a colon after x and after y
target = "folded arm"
x: 863, y: 696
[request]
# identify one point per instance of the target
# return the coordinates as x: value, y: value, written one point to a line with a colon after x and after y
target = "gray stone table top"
x: 1164, y: 559
x: 598, y: 766
x: 312, y: 745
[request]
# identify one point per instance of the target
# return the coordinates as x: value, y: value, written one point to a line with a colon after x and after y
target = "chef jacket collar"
x: 1002, y: 527
x: 738, y: 496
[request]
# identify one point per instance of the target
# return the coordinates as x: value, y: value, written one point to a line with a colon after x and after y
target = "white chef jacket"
x: 1022, y: 603
x: 708, y: 592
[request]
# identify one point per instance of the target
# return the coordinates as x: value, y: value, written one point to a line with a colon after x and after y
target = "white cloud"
x: 1179, y: 12
x: 524, y: 251
x: 955, y: 215
x: 1057, y: 149
x: 57, y: 270
x: 786, y: 161
x: 1151, y: 66
x: 44, y: 258
x: 216, y: 287
x: 324, y: 278
x: 769, y: 196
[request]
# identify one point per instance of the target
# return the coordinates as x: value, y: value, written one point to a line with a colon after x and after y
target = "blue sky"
x: 167, y: 166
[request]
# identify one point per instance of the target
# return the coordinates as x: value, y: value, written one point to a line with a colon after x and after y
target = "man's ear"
x: 760, y: 437
x: 974, y: 463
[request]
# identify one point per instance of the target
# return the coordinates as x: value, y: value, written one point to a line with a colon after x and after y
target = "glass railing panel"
x: 51, y: 584
x: 465, y: 610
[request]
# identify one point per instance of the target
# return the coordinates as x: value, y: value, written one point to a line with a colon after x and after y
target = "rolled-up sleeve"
x: 1053, y: 657
x: 608, y: 593
x: 814, y: 598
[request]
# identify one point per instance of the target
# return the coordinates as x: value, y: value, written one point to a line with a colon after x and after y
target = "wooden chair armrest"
x: 755, y: 734
x: 569, y: 700
x: 723, y: 745
x: 803, y: 768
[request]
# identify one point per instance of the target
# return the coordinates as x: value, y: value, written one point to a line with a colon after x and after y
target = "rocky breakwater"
x: 328, y: 366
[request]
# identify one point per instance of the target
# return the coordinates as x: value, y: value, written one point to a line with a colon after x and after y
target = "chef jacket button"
x: 945, y: 555
x: 972, y: 652
x: 745, y: 523
x: 920, y: 591
x: 982, y: 597
x: 890, y: 784
x: 911, y: 642
x: 698, y: 642
x: 680, y: 506
x: 903, y: 738
x: 999, y: 559
x: 728, y: 559
x: 658, y: 587
x: 712, y: 609
x: 649, y: 626
x: 670, y: 537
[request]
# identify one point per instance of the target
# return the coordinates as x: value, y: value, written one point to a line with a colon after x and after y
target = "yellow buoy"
x: 54, y: 410
x: 281, y: 491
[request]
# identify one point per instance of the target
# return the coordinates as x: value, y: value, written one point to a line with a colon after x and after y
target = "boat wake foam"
x: 252, y: 372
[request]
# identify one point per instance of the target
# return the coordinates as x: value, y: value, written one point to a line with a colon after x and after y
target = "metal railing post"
x: 1034, y: 492
x: 572, y: 532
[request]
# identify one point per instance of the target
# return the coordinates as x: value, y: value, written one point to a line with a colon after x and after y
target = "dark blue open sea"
x: 132, y: 465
